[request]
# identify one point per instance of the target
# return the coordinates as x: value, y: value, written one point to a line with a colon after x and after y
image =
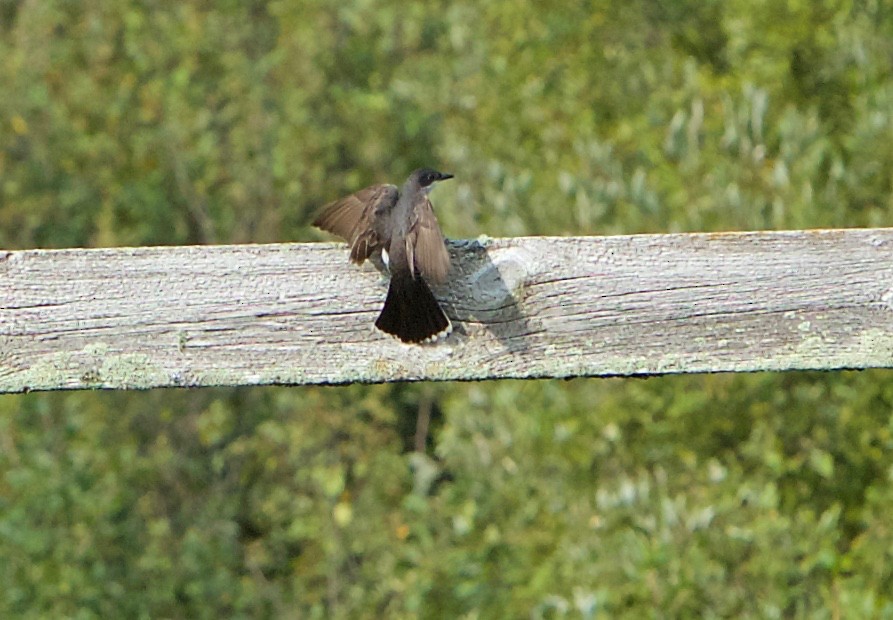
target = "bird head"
x: 426, y: 177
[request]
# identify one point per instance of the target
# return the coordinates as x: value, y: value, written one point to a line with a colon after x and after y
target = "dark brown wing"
x: 341, y: 216
x: 352, y: 218
x: 425, y: 245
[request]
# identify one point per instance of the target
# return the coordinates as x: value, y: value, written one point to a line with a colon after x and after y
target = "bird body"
x: 400, y: 225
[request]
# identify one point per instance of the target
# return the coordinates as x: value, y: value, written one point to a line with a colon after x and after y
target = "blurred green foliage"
x: 765, y: 495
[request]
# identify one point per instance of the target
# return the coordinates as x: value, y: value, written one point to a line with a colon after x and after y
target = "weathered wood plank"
x: 525, y: 307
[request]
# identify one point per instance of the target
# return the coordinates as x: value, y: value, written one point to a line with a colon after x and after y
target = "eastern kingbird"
x: 401, y: 226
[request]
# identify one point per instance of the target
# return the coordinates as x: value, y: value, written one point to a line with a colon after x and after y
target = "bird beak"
x: 444, y: 176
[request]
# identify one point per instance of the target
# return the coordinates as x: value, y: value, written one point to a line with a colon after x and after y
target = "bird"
x: 399, y: 225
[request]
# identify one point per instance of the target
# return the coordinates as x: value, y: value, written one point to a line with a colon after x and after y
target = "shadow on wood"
x: 477, y: 296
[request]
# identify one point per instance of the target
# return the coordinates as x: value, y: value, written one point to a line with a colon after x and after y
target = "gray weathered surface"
x: 525, y: 307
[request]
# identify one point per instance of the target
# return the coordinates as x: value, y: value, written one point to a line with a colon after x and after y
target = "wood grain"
x: 523, y: 307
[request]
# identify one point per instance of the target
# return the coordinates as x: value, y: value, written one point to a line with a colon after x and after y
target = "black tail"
x: 410, y: 311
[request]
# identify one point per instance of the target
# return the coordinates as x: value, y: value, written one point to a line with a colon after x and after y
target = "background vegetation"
x: 765, y: 495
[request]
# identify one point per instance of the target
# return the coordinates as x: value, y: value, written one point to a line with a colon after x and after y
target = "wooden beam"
x: 525, y: 307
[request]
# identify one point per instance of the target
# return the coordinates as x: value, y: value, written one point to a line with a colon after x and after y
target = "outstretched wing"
x: 426, y: 246
x: 353, y: 218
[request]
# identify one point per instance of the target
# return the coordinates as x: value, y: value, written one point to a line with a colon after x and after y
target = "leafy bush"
x: 763, y: 495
